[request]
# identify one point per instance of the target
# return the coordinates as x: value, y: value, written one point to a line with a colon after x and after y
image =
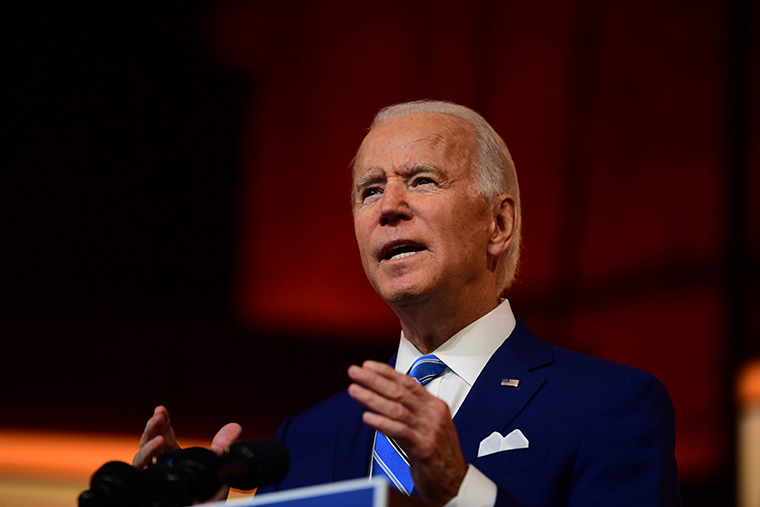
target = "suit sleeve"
x: 626, y: 456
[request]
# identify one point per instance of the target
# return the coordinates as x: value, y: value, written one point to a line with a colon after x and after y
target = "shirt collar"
x: 468, y: 351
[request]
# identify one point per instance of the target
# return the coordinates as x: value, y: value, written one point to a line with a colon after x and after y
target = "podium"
x: 373, y: 492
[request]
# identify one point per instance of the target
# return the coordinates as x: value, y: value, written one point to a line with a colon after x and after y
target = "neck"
x: 429, y: 324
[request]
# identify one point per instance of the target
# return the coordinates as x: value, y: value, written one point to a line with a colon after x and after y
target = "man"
x: 437, y: 220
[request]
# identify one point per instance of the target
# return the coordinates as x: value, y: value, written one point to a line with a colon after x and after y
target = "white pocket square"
x: 496, y: 443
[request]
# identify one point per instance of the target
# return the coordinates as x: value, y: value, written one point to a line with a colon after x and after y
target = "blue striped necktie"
x: 389, y: 459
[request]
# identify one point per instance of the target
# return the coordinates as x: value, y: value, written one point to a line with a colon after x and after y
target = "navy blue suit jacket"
x: 600, y: 433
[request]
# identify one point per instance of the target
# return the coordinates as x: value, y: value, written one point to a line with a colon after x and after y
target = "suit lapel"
x: 353, y: 444
x: 354, y: 440
x: 489, y: 406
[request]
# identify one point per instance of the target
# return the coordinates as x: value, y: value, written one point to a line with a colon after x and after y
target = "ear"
x: 504, y: 215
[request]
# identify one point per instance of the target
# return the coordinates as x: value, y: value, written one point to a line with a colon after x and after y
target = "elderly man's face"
x: 421, y: 225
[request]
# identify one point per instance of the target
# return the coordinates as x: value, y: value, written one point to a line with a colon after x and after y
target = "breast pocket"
x: 515, y: 460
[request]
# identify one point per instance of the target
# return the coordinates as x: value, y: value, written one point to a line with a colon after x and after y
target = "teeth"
x: 402, y: 255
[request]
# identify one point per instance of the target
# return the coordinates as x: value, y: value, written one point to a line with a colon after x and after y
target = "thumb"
x: 225, y: 437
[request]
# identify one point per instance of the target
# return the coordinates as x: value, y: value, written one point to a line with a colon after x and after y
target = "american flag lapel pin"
x: 510, y: 382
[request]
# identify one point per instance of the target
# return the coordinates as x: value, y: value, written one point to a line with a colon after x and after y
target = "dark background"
x: 174, y: 219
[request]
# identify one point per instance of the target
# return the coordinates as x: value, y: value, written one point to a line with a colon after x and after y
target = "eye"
x: 423, y: 180
x: 370, y: 192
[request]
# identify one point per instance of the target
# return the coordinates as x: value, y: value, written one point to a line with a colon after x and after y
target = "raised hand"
x: 157, y: 438
x: 224, y: 438
x: 419, y: 422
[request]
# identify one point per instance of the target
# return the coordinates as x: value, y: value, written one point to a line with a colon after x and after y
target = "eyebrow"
x: 371, y: 177
x: 421, y: 168
x: 375, y: 175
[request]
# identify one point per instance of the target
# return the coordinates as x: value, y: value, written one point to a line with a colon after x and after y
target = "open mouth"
x: 400, y: 250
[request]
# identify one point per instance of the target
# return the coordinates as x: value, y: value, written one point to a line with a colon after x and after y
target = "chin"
x: 405, y: 287
x: 402, y: 294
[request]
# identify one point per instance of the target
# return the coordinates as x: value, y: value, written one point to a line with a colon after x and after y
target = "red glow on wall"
x: 614, y: 116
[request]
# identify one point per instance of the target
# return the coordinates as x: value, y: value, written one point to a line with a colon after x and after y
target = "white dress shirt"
x: 465, y: 354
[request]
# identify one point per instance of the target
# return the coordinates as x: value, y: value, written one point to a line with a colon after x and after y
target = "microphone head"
x: 115, y: 484
x: 193, y: 473
x: 255, y: 463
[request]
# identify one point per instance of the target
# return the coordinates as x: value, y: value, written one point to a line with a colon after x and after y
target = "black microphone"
x: 254, y: 463
x: 181, y: 477
x: 115, y: 484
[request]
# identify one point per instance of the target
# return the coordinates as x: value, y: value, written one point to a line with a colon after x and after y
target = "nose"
x: 395, y: 204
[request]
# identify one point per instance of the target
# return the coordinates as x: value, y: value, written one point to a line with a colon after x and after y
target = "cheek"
x: 468, y: 234
x: 361, y: 231
x: 358, y: 226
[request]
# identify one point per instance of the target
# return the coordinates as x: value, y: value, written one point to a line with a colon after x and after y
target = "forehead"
x: 417, y: 138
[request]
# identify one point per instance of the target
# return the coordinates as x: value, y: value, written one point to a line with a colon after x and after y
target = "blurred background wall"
x: 176, y: 222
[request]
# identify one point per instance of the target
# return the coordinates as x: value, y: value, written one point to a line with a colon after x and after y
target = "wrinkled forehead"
x: 411, y: 138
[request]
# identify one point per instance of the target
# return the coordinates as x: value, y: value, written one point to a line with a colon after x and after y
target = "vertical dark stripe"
x: 739, y: 103
x: 737, y: 266
x: 578, y: 159
x: 488, y: 23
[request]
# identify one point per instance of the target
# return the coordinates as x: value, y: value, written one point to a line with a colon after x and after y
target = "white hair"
x: 494, y: 170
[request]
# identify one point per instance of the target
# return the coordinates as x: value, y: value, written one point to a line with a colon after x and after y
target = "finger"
x: 159, y: 424
x: 225, y: 437
x: 157, y: 438
x: 147, y: 452
x: 379, y: 404
x: 395, y: 429
x: 383, y: 370
x: 152, y: 428
x: 410, y: 427
x: 385, y: 381
x: 413, y: 431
